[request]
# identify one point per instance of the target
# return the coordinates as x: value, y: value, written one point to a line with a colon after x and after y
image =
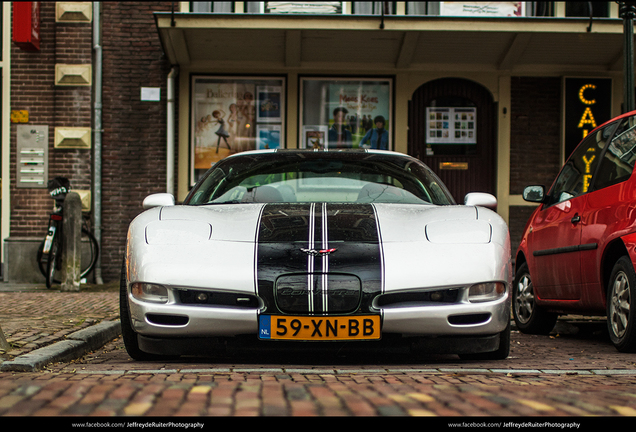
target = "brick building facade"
x: 133, y: 150
x: 137, y: 53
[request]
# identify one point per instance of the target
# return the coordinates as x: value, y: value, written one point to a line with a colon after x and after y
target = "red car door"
x: 555, y: 239
x: 609, y: 213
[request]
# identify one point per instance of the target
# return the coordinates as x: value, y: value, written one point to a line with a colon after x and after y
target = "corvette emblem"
x: 321, y: 252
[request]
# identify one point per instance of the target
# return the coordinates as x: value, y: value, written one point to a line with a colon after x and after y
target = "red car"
x: 578, y: 248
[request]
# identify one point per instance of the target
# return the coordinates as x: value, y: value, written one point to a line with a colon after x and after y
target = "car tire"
x: 529, y: 317
x: 127, y: 332
x: 500, y: 354
x: 620, y: 316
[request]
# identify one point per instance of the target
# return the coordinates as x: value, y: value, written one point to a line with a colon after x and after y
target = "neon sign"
x: 588, y: 171
x: 587, y: 105
x: 588, y: 117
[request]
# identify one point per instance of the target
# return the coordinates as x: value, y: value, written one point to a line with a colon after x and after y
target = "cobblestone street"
x: 573, y: 373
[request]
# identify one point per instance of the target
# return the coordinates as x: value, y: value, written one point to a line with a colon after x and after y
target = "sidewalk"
x: 44, y: 326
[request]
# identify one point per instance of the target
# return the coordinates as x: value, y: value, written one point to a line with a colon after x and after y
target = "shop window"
x: 346, y: 113
x: 587, y: 9
x: 540, y: 9
x: 234, y: 114
x: 422, y: 8
x: 215, y: 6
x: 372, y: 8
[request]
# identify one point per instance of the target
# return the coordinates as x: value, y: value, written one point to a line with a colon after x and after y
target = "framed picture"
x: 315, y: 137
x: 269, y: 104
x: 267, y: 136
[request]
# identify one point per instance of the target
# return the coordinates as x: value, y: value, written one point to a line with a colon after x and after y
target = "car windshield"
x: 332, y: 177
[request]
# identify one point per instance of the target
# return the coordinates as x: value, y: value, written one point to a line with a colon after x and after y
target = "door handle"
x: 576, y: 219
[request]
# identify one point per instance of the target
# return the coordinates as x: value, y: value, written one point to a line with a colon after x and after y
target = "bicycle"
x: 49, y: 255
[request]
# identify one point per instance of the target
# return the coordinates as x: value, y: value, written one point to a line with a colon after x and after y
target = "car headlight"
x: 484, y: 292
x: 149, y: 292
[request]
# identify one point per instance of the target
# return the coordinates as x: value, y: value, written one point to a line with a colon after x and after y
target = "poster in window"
x: 315, y: 136
x: 227, y: 113
x: 268, y: 137
x: 445, y: 125
x: 355, y: 112
x: 269, y: 103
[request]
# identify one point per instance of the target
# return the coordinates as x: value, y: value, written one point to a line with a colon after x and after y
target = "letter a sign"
x: 588, y: 103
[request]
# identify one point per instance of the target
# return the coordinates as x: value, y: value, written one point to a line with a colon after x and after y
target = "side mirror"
x: 481, y: 199
x: 535, y: 194
x: 158, y: 200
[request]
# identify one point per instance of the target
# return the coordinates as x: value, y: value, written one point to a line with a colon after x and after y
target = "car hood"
x: 397, y: 222
x: 451, y: 244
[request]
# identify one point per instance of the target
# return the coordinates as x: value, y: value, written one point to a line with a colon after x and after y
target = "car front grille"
x: 318, y: 293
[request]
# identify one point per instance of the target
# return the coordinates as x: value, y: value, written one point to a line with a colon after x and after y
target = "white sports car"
x: 297, y: 245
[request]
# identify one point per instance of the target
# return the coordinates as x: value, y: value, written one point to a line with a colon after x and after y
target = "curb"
x: 74, y: 346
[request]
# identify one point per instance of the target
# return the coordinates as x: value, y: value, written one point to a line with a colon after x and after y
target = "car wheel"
x: 127, y: 332
x: 500, y: 354
x: 620, y: 317
x: 529, y: 317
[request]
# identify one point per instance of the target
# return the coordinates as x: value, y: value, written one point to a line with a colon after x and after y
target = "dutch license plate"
x: 318, y: 328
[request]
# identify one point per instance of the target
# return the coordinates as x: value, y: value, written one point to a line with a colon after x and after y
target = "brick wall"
x: 134, y: 139
x: 535, y: 131
x: 133, y: 142
x: 33, y: 89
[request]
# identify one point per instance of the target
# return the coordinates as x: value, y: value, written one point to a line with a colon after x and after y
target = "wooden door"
x: 462, y: 167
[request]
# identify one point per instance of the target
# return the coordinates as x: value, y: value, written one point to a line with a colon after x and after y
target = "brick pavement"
x: 575, y: 372
x: 32, y: 317
x: 69, y: 391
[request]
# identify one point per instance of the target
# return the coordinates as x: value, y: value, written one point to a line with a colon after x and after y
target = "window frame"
x: 327, y: 107
x: 592, y: 187
x: 265, y: 125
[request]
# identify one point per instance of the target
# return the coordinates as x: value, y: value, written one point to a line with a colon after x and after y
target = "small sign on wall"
x: 151, y: 94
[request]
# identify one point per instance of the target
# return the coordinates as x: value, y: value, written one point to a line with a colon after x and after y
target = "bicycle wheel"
x: 42, y: 259
x: 53, y: 263
x: 90, y: 253
x: 89, y: 260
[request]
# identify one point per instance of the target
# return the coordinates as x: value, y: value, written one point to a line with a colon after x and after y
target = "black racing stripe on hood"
x: 290, y: 222
x: 335, y: 247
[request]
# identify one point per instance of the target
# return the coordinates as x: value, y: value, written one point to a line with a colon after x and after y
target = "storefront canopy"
x: 408, y: 43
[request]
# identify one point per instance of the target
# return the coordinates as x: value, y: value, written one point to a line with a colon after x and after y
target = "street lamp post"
x: 627, y: 11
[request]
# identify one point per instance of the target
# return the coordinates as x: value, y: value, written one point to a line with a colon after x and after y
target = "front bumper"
x: 458, y: 319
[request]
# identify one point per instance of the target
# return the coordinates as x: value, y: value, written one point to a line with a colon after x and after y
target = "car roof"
x: 318, y: 153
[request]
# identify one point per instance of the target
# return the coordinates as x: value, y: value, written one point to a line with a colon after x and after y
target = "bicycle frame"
x: 50, y: 251
x: 55, y: 221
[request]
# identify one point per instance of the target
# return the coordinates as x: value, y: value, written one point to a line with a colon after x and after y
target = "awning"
x: 357, y: 44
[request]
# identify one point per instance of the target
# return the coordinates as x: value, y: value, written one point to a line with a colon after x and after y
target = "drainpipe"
x: 170, y: 131
x: 97, y: 157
